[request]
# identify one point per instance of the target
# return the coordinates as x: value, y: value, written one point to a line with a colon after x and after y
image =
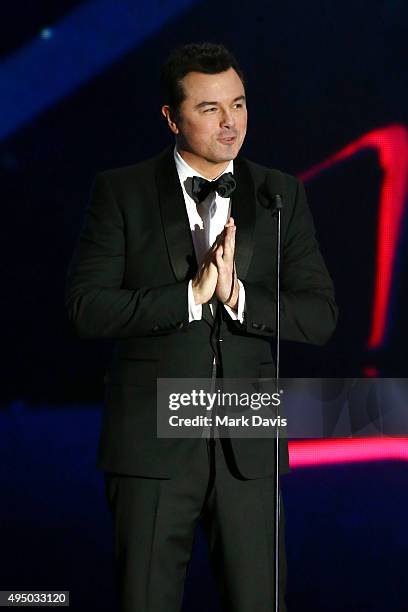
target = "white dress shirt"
x: 204, y: 235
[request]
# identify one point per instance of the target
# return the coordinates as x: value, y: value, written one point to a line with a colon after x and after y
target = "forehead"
x: 220, y: 87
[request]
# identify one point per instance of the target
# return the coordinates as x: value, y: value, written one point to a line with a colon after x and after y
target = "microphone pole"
x: 271, y: 199
x: 278, y: 208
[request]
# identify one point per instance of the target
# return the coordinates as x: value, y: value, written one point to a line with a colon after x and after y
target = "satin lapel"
x: 243, y: 210
x: 175, y: 221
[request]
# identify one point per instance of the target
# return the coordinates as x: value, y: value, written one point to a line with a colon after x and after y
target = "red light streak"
x: 391, y: 145
x: 314, y: 453
x: 371, y: 372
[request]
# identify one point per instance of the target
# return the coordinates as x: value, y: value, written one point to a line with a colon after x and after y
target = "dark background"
x: 319, y: 76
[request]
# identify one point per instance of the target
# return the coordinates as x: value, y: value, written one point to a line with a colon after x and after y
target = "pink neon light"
x: 310, y: 453
x: 391, y: 144
x: 371, y: 372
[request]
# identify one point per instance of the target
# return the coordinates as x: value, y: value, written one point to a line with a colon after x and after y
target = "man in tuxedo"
x: 176, y: 261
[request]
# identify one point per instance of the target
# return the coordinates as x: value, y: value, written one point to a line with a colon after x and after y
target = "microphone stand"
x: 278, y: 208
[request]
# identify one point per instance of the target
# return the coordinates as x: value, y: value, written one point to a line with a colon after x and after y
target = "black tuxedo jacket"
x: 128, y: 280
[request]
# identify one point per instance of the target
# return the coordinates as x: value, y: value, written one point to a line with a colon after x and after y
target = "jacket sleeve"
x: 96, y: 303
x: 308, y: 311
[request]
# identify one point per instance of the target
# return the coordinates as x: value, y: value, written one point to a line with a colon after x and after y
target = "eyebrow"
x: 205, y: 103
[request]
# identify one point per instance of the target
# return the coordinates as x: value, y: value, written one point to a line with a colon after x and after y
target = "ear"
x: 166, y: 112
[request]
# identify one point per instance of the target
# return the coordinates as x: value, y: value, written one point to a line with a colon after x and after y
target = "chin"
x: 227, y: 155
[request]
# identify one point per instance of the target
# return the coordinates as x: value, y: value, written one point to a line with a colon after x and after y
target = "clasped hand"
x: 217, y: 274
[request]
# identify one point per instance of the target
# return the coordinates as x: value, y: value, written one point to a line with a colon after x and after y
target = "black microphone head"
x: 270, y: 193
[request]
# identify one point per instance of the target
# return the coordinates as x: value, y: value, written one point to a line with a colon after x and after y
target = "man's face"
x: 212, y: 120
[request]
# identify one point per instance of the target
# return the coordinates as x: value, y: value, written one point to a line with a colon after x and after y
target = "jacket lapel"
x: 174, y: 218
x: 243, y: 210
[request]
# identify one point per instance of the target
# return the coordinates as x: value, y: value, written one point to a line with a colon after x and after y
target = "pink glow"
x: 371, y: 372
x: 391, y: 144
x: 311, y: 453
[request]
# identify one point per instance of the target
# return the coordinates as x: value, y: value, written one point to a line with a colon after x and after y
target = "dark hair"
x: 206, y: 57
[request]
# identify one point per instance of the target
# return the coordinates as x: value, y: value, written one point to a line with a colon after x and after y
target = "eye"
x: 210, y: 109
x: 238, y: 105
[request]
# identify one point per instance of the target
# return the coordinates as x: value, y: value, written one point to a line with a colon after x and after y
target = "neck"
x: 210, y: 170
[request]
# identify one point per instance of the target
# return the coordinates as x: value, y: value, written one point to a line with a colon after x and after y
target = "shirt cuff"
x: 239, y: 315
x: 195, y: 311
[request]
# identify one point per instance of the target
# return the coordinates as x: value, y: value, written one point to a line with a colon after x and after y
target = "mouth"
x: 227, y: 140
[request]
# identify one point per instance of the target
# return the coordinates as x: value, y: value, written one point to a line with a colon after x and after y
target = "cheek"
x: 199, y: 132
x: 243, y: 123
x: 205, y: 134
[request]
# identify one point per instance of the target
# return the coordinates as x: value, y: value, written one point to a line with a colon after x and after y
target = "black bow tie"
x: 224, y: 186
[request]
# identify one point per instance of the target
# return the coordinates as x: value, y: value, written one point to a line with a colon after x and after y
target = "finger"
x: 233, y: 234
x: 219, y: 256
x: 229, y: 245
x: 219, y: 239
x: 229, y: 237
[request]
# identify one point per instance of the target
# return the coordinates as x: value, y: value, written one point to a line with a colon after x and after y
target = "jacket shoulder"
x: 260, y: 174
x: 143, y: 170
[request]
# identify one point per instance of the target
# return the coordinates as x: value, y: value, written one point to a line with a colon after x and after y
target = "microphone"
x: 270, y: 197
x: 270, y: 192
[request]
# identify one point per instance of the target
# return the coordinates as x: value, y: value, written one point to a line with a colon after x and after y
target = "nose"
x: 227, y: 118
